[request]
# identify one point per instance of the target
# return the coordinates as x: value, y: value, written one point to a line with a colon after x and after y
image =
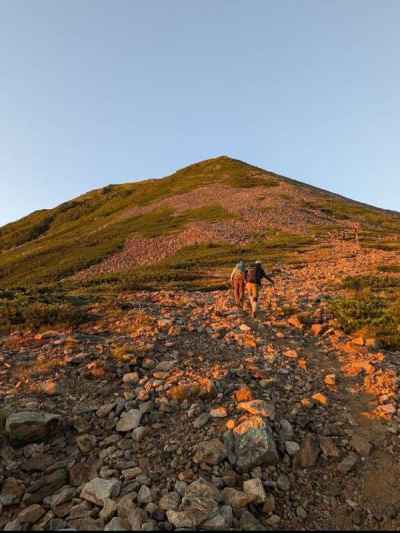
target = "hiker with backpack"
x: 253, y: 276
x: 238, y: 283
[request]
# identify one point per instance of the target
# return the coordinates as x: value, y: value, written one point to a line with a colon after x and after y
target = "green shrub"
x: 370, y: 282
x: 43, y: 307
x: 390, y: 268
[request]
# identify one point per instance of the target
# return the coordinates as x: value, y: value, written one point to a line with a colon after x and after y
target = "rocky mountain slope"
x: 140, y: 399
x: 238, y: 208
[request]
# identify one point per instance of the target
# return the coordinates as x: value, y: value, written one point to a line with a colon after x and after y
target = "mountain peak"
x: 223, y: 203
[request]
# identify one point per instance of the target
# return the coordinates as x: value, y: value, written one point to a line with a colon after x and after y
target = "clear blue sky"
x: 94, y: 92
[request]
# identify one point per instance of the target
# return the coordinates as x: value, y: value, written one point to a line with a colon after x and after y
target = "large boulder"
x: 46, y: 486
x: 309, y: 451
x: 30, y: 426
x: 98, y: 490
x: 129, y: 421
x: 12, y: 491
x: 259, y: 408
x: 211, y: 452
x: 251, y: 444
x: 199, y: 505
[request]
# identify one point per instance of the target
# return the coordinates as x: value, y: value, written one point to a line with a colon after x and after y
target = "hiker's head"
x: 258, y: 262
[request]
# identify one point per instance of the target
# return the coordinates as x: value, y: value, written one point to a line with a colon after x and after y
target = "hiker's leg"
x: 236, y: 291
x: 242, y: 287
x: 256, y: 294
x: 253, y: 299
x: 248, y: 290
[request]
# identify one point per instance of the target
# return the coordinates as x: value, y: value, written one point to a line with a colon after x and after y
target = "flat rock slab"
x: 30, y: 426
x: 129, y: 420
x: 98, y: 490
x: 258, y: 408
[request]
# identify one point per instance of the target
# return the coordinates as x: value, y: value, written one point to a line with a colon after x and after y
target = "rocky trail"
x: 177, y: 410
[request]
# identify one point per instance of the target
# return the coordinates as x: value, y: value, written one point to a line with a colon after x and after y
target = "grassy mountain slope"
x: 50, y: 245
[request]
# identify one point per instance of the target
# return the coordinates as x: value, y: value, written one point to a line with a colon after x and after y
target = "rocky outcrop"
x: 30, y: 426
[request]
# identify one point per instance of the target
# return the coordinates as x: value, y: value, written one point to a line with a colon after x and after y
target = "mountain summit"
x: 213, y: 210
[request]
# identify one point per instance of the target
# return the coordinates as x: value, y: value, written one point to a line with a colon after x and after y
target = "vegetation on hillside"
x: 41, y: 308
x: 371, y: 305
x: 52, y: 244
x: 200, y: 267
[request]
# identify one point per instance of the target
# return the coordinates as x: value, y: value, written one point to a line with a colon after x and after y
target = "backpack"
x: 251, y: 275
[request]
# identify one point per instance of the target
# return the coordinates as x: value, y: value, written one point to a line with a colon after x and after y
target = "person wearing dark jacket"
x: 253, y: 276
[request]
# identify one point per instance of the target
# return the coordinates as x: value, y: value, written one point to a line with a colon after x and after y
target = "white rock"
x: 144, y: 495
x: 117, y: 524
x: 98, y: 490
x: 254, y: 487
x: 291, y: 447
x: 129, y: 420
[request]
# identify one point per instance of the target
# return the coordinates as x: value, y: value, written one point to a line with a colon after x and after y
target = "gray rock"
x: 301, y: 513
x: 57, y: 524
x: 129, y: 421
x: 273, y: 520
x: 236, y: 498
x: 42, y: 524
x: 125, y: 505
x: 269, y: 505
x: 180, y: 487
x: 361, y: 445
x: 31, y: 426
x: 216, y: 523
x: 47, y: 485
x: 136, y: 518
x: 211, y: 452
x: 227, y: 513
x: 283, y: 482
x: 12, y: 491
x: 144, y: 495
x: 31, y: 514
x: 131, y: 377
x: 149, y: 525
x: 348, y: 463
x: 255, y: 488
x: 252, y: 444
x: 117, y: 524
x: 201, y: 487
x: 199, y: 508
x: 151, y: 508
x: 170, y: 501
x: 201, y: 420
x: 13, y: 525
x: 328, y: 447
x: 105, y: 410
x: 139, y: 433
x: 80, y: 511
x: 291, y: 447
x: 258, y: 408
x: 249, y: 522
x: 286, y: 431
x: 308, y: 453
x: 98, y: 490
x: 109, y: 510
x: 87, y: 524
x: 86, y: 443
x: 181, y: 519
x: 63, y: 496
